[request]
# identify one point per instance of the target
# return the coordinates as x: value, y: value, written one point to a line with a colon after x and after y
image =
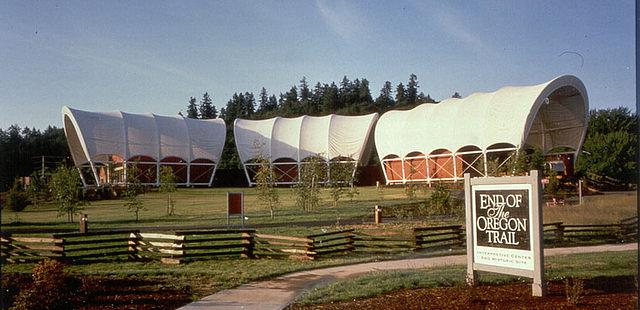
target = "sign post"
x: 235, y: 206
x: 504, y: 227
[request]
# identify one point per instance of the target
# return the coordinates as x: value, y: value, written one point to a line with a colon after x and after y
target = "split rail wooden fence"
x: 190, y: 245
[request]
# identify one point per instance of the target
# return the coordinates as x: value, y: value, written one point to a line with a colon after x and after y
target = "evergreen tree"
x: 263, y: 101
x: 385, y: 100
x: 412, y: 90
x: 428, y: 99
x: 273, y: 103
x: 364, y: 97
x: 316, y: 99
x: 192, y: 108
x: 248, y: 105
x: 422, y: 98
x: 305, y: 96
x: 234, y: 108
x: 330, y: 99
x: 290, y: 105
x: 401, y: 95
x: 344, y: 93
x: 207, y: 110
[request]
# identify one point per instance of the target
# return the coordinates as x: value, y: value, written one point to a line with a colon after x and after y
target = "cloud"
x: 342, y: 19
x: 454, y: 27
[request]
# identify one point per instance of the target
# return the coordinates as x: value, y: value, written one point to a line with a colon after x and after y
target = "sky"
x: 152, y: 56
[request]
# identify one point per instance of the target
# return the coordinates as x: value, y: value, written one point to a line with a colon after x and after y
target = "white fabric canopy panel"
x: 103, y: 143
x: 287, y: 142
x: 545, y: 116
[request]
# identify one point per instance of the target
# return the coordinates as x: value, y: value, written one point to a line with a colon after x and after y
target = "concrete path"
x: 281, y: 291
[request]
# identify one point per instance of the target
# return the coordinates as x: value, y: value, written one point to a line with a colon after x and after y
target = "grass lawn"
x: 207, y: 207
x: 583, y: 266
x: 209, y: 276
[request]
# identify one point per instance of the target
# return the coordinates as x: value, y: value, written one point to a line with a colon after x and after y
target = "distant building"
x: 481, y: 132
x: 288, y: 143
x: 104, y: 145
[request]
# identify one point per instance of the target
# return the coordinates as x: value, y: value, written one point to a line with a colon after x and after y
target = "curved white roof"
x: 94, y: 135
x: 556, y: 110
x: 330, y: 136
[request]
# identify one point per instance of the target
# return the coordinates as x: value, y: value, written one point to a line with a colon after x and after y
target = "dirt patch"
x: 599, y: 293
x: 106, y: 293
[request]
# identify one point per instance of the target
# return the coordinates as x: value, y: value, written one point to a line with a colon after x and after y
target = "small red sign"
x: 234, y: 203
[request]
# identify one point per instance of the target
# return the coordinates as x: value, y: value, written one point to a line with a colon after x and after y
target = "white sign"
x: 502, y: 225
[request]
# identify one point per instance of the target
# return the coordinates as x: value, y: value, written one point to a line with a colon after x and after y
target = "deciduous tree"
x: 66, y: 190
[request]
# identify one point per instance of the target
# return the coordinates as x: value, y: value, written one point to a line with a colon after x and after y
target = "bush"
x: 441, y: 199
x: 17, y: 200
x: 574, y: 290
x: 12, y: 284
x: 553, y: 186
x: 50, y: 289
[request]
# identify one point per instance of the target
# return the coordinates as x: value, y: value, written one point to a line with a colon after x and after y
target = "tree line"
x: 346, y: 98
x: 609, y: 149
x: 23, y: 150
x: 349, y: 97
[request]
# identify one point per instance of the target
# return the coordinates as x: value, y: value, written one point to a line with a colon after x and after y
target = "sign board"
x: 504, y: 227
x: 235, y: 206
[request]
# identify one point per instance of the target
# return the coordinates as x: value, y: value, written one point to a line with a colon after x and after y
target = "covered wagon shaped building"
x: 106, y: 145
x: 287, y: 144
x: 443, y: 141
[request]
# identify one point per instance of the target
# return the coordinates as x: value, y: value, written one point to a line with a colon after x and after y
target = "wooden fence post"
x: 249, y: 244
x: 416, y: 240
x: 134, y: 237
x: 620, y: 232
x: 59, y: 242
x: 5, y: 245
x: 311, y: 248
x: 352, y: 242
x: 559, y: 232
x: 462, y: 237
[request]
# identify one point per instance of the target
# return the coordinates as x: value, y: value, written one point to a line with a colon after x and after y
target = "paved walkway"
x: 281, y: 291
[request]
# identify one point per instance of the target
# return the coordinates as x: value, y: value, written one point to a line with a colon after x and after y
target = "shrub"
x: 17, y: 200
x: 573, y: 289
x: 307, y: 190
x: 133, y: 188
x: 12, y: 284
x: 266, y: 186
x: 410, y: 191
x: 168, y: 186
x: 553, y: 186
x: 49, y: 290
x: 441, y: 199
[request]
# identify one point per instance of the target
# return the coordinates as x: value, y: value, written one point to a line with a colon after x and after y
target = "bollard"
x: 377, y: 214
x: 83, y: 224
x: 580, y: 191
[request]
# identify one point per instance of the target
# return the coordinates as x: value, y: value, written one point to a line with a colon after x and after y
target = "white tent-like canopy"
x: 104, y: 144
x: 287, y: 142
x: 442, y: 141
